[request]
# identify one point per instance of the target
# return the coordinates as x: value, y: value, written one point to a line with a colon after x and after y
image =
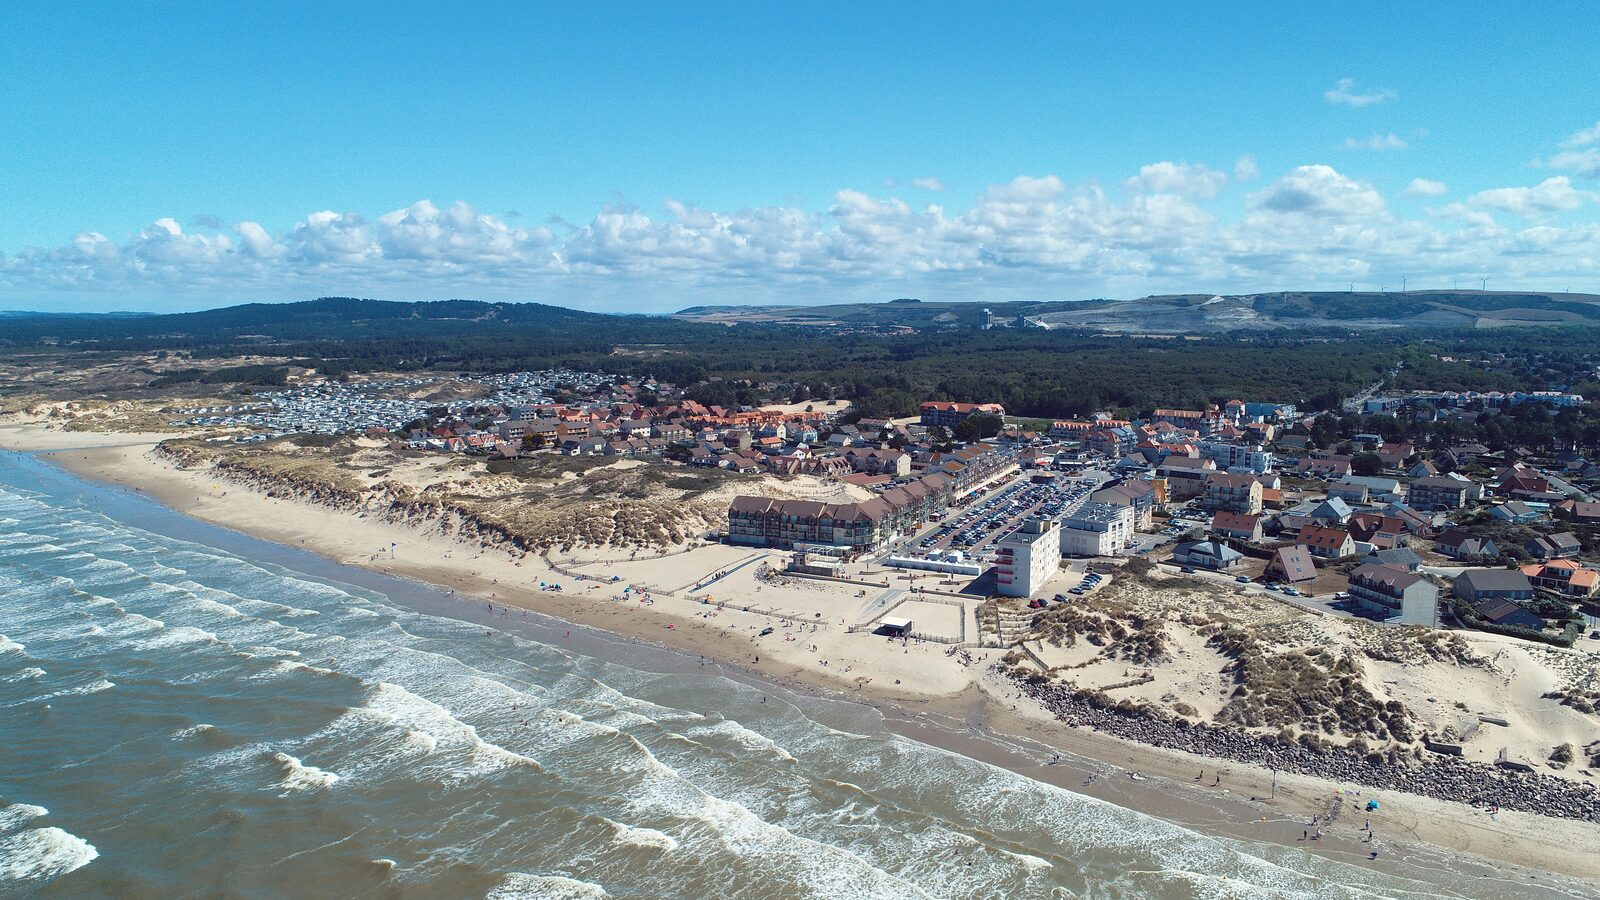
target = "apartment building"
x: 1395, y: 593
x: 1097, y: 529
x: 1027, y: 558
x: 1232, y: 493
x: 948, y: 414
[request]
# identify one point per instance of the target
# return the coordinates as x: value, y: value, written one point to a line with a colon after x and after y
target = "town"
x: 1256, y: 495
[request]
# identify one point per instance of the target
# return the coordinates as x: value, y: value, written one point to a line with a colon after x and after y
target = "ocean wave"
x: 93, y: 687
x: 297, y: 776
x: 25, y: 674
x: 649, y: 838
x: 520, y: 886
x: 421, y: 716
x: 201, y: 730
x: 743, y: 736
x: 7, y: 645
x: 30, y: 856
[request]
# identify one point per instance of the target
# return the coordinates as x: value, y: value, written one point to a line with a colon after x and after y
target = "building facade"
x: 1027, y: 558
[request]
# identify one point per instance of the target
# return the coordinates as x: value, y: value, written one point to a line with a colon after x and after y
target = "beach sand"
x: 921, y: 689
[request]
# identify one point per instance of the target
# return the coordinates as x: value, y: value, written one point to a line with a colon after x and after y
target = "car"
x: 1291, y: 591
x: 1187, y: 570
x: 1242, y: 579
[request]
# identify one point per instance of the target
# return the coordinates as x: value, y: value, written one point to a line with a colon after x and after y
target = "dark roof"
x: 1494, y: 580
x: 1294, y: 563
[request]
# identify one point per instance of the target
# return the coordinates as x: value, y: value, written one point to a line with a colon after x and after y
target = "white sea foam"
x: 632, y: 836
x: 7, y: 645
x: 297, y: 776
x: 93, y: 687
x: 27, y: 674
x: 519, y: 886
x: 36, y: 855
x: 421, y: 716
x: 739, y: 734
x: 194, y: 731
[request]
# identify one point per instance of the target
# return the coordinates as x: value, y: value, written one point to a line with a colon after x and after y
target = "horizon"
x: 705, y: 158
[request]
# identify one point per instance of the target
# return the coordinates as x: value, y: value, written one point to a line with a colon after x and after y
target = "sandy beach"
x: 924, y: 689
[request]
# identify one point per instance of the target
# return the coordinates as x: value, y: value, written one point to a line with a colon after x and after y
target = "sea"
x: 189, y: 712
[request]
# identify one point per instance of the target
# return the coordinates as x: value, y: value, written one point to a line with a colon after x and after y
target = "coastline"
x: 962, y: 709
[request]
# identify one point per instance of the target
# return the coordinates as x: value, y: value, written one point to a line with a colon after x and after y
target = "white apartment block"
x: 1027, y: 558
x: 1237, y: 457
x: 1096, y: 529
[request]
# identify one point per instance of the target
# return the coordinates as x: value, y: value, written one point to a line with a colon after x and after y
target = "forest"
x: 1033, y: 372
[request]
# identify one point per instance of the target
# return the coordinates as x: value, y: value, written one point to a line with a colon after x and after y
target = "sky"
x: 165, y: 156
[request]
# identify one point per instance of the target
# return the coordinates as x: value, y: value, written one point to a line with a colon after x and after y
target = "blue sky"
x: 167, y: 155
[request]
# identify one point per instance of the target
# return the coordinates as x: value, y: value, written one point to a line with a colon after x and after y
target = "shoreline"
x: 977, y: 719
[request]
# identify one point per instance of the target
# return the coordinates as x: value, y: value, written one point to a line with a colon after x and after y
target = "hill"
x: 1200, y: 313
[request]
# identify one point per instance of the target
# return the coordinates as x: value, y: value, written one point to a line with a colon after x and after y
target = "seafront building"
x: 1027, y: 558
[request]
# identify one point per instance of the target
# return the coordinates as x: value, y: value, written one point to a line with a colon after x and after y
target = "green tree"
x: 1366, y: 464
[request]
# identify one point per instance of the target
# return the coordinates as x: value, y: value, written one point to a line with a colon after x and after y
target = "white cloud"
x: 1346, y: 92
x: 1319, y: 191
x: 1585, y: 162
x: 1422, y: 187
x: 1584, y: 138
x: 1245, y: 169
x: 928, y: 184
x: 1390, y: 141
x: 1551, y: 195
x: 1029, y: 237
x: 1181, y: 178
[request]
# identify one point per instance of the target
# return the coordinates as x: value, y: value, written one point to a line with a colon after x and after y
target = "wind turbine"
x: 1483, y: 284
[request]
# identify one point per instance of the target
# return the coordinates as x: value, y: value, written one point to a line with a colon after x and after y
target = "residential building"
x: 1381, y: 531
x: 1236, y: 526
x: 1326, y: 542
x: 1437, y: 492
x: 1329, y: 467
x: 1232, y: 493
x: 1237, y: 457
x: 1564, y: 576
x: 1402, y: 557
x: 1213, y: 555
x: 1508, y: 612
x: 1292, y: 565
x: 1407, y: 597
x: 1554, y: 546
x: 1518, y: 512
x: 1097, y: 529
x: 1186, y: 475
x: 1366, y: 489
x: 1140, y: 496
x: 1332, y: 510
x: 1027, y: 558
x: 947, y: 414
x: 1478, y: 585
x: 1458, y: 544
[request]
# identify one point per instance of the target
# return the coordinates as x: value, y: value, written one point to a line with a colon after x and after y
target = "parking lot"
x: 974, y: 529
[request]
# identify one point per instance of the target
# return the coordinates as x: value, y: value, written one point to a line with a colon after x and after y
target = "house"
x: 1232, y: 493
x: 1366, y: 489
x: 1213, y: 555
x: 1381, y: 531
x: 1403, y: 557
x: 1517, y: 512
x: 1325, y: 542
x: 1292, y: 565
x: 1331, y: 510
x: 1554, y: 546
x: 1393, y: 592
x: 1437, y: 492
x: 1237, y: 526
x: 1478, y: 585
x: 1564, y: 576
x: 1581, y: 511
x: 1325, y: 467
x: 1508, y: 612
x: 1458, y: 544
x: 1423, y: 469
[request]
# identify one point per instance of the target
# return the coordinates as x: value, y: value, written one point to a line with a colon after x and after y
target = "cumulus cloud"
x: 1319, y: 191
x: 1390, y: 141
x: 1347, y: 93
x: 1035, y: 235
x: 1551, y: 195
x: 1422, y: 187
x: 1177, y: 178
x: 1245, y: 169
x: 928, y: 184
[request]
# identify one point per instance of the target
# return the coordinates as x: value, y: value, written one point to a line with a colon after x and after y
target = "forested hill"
x: 327, y: 318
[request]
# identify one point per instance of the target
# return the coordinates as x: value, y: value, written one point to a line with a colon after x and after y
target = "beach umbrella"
x: 1372, y: 806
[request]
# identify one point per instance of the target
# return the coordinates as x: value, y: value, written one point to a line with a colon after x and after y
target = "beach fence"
x: 584, y: 576
x: 759, y: 611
